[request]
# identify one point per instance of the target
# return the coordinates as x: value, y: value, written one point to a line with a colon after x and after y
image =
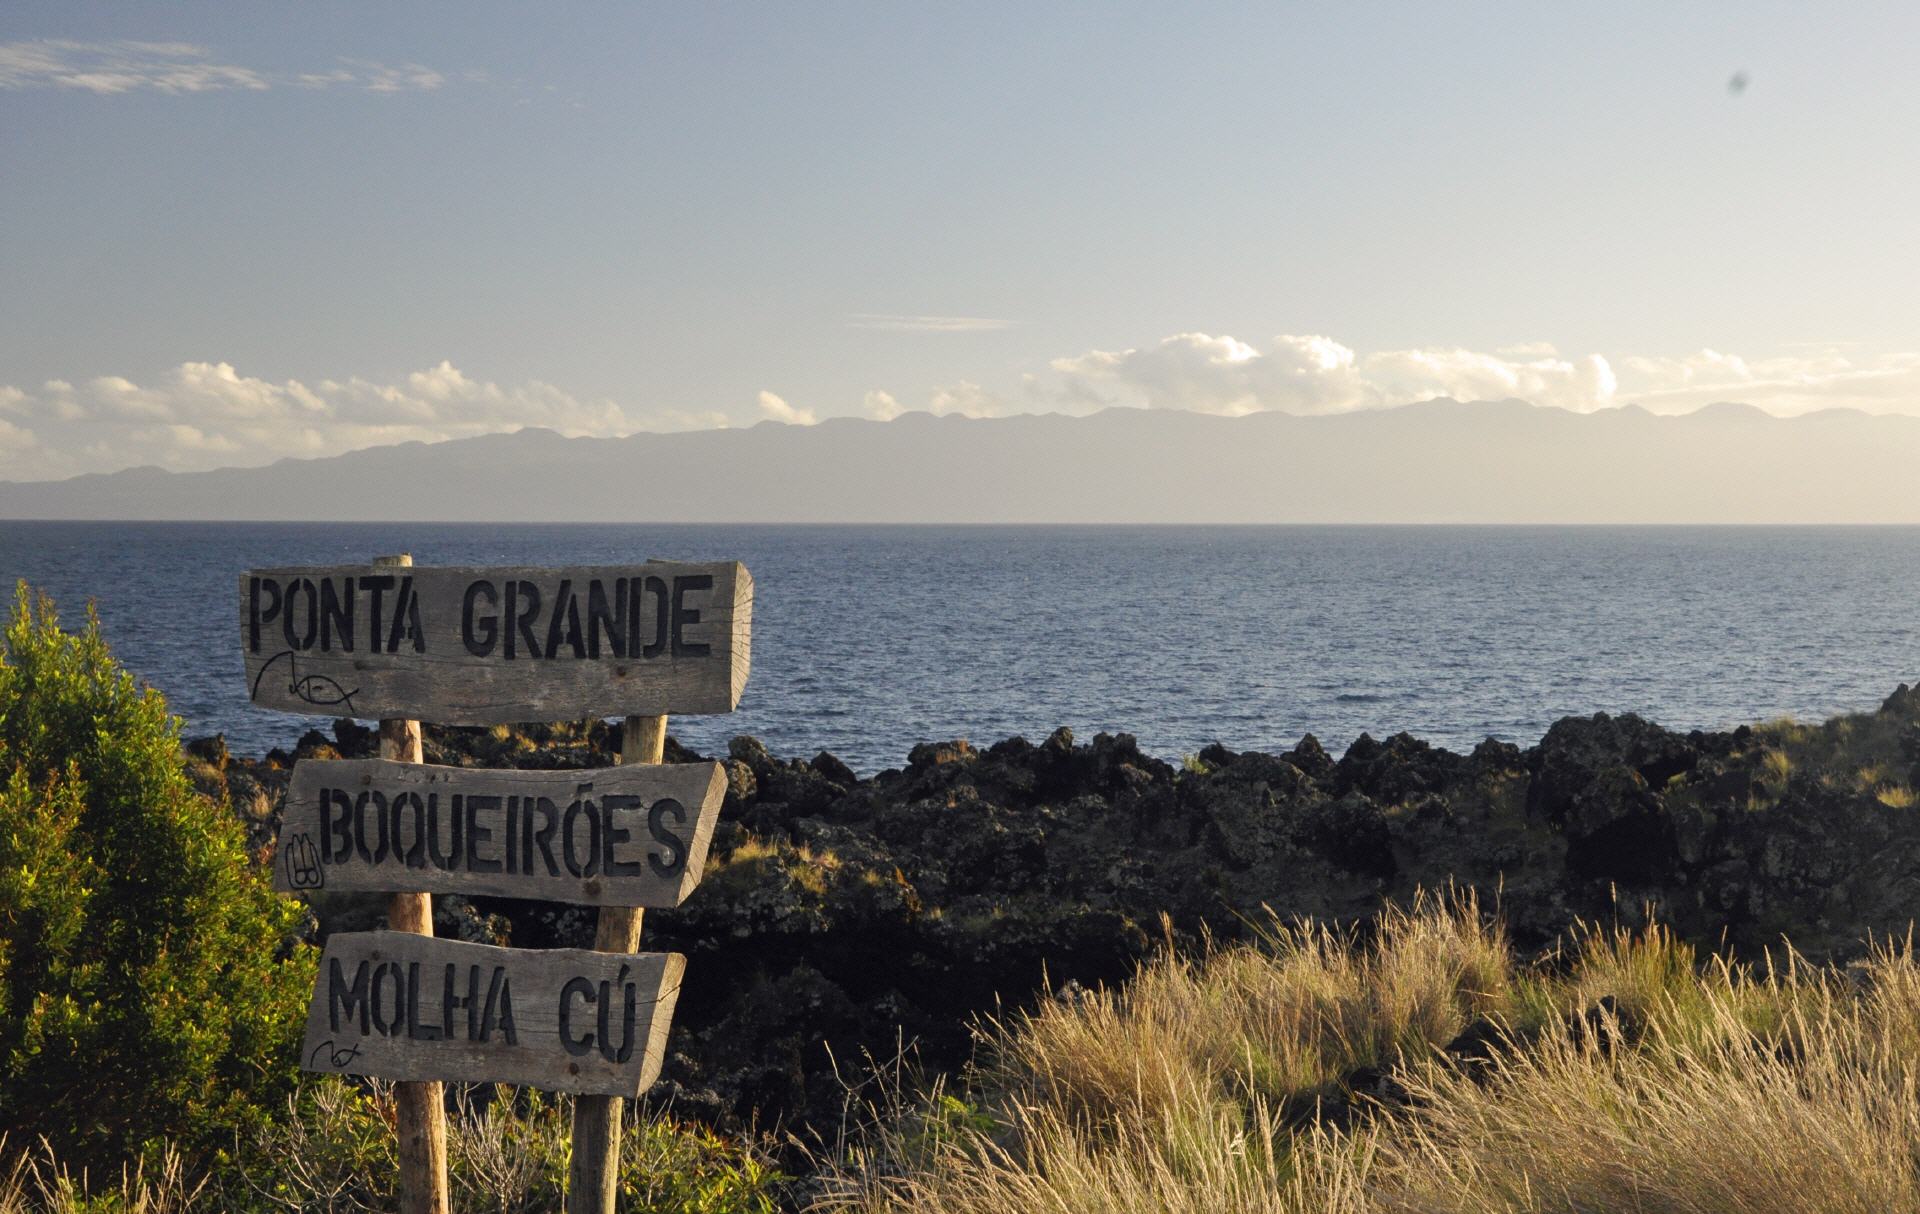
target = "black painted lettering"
x: 480, y: 838
x: 563, y: 626
x: 657, y: 587
x: 451, y: 1002
x: 624, y: 1050
x: 448, y: 859
x: 613, y: 835
x: 336, y: 809
x: 675, y: 862
x: 376, y: 586
x: 506, y: 1010
x: 258, y: 615
x: 523, y: 608
x: 499, y: 1010
x: 389, y: 1025
x: 549, y: 826
x: 479, y: 633
x: 336, y: 615
x: 406, y: 620
x: 345, y: 998
x: 684, y: 616
x: 310, y: 627
x: 414, y: 853
x: 581, y: 806
x: 377, y: 799
x: 601, y: 614
x: 575, y: 988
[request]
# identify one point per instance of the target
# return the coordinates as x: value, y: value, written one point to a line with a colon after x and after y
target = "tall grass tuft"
x: 1312, y: 1072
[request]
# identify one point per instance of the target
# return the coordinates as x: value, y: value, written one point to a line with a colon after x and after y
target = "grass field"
x: 1424, y: 1069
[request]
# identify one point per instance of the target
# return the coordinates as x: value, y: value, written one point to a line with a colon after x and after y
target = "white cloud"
x: 779, y: 410
x: 880, y: 406
x: 926, y: 324
x: 208, y: 414
x: 1821, y: 378
x: 127, y: 65
x: 14, y: 440
x: 1313, y: 373
x: 970, y: 400
x: 1219, y: 375
x: 1316, y: 374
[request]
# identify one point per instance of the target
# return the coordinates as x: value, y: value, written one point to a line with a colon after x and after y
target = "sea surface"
x: 869, y: 639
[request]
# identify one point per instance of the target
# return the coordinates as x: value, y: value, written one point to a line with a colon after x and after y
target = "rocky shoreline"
x: 842, y: 918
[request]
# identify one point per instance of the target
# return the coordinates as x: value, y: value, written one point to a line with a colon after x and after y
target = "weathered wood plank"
x: 406, y: 1007
x: 593, y: 1168
x: 420, y: 1111
x: 633, y: 835
x: 483, y: 646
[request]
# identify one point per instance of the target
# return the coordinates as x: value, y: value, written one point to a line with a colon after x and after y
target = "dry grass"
x: 1278, y: 1023
x: 334, y: 1153
x: 1625, y: 1078
x: 36, y: 1182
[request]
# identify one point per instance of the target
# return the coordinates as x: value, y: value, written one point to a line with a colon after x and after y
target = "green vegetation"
x: 152, y: 986
x: 1857, y: 752
x: 1421, y: 1068
x: 331, y: 1151
x: 153, y: 989
x: 334, y: 1150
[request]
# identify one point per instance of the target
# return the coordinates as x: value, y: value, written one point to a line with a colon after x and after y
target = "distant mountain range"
x: 1437, y: 461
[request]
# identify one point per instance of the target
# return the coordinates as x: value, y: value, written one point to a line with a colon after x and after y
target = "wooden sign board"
x: 402, y: 1006
x: 484, y: 646
x: 613, y: 836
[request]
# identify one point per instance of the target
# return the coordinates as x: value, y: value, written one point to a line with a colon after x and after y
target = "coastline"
x: 988, y: 877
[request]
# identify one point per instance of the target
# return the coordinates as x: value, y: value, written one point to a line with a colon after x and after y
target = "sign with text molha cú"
x: 616, y: 836
x: 485, y: 646
x: 403, y: 1006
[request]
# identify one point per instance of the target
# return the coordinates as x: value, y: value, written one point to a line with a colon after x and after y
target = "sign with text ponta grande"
x: 484, y: 646
x: 613, y: 836
x: 402, y: 1006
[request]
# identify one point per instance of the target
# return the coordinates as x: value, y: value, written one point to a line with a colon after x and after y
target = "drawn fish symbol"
x: 316, y: 689
x: 337, y: 1056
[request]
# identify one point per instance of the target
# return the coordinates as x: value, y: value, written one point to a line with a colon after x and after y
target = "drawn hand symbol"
x: 303, y: 863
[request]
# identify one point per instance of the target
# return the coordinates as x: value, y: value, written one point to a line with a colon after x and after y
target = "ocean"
x: 868, y: 640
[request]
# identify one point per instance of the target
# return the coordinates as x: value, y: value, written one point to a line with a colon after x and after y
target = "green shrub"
x: 507, y: 1150
x: 151, y: 983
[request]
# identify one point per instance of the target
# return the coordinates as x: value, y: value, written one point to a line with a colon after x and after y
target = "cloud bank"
x: 205, y: 415
x: 208, y: 414
x: 126, y: 66
x: 1310, y: 374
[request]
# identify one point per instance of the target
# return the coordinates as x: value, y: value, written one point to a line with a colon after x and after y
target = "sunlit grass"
x: 1625, y: 1074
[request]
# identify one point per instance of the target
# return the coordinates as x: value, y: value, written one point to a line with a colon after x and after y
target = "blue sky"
x: 231, y: 232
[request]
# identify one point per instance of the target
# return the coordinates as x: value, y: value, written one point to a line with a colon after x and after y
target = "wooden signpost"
x: 616, y: 836
x: 492, y: 646
x: 412, y: 1007
x: 486, y: 646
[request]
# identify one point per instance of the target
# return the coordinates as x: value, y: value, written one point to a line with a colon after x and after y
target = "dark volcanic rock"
x: 842, y: 917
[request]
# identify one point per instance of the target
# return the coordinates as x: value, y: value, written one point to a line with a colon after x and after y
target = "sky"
x: 232, y: 233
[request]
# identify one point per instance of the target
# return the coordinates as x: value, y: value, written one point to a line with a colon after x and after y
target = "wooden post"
x: 594, y: 1171
x: 420, y: 1111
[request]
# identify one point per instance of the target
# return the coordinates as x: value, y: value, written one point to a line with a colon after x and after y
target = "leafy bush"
x: 152, y: 985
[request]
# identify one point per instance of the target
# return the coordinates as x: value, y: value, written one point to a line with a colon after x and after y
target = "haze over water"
x: 867, y: 640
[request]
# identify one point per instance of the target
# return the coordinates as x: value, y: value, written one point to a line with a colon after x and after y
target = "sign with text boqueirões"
x: 401, y: 1006
x: 634, y: 835
x: 483, y: 646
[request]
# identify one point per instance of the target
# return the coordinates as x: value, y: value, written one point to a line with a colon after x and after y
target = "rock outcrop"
x: 842, y: 918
